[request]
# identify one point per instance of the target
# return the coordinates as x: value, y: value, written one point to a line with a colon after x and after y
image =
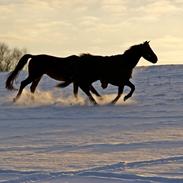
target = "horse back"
x: 59, y: 68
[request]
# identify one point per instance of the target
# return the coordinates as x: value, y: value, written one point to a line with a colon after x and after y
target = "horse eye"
x: 149, y: 55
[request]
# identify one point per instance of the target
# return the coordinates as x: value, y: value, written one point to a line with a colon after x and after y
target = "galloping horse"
x: 116, y: 70
x: 84, y: 70
x: 61, y: 69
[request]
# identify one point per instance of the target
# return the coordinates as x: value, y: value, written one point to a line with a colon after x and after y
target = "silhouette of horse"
x: 57, y: 68
x: 116, y: 70
x: 83, y: 70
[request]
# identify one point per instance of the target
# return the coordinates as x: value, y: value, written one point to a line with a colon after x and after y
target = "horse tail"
x: 12, y: 76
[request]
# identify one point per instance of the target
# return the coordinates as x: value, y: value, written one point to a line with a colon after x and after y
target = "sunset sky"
x: 104, y: 27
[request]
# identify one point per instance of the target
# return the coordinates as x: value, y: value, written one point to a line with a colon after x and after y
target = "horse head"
x: 147, y: 53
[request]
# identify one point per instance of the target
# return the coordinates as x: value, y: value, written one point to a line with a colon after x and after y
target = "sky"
x: 100, y: 27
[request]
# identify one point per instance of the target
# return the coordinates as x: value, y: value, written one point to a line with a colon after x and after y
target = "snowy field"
x: 55, y: 139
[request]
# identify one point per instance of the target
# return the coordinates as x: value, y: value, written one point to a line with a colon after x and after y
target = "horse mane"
x: 129, y: 54
x: 86, y: 55
x: 90, y: 56
x: 130, y: 50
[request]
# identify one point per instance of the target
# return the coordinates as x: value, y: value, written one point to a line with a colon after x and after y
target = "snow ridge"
x: 115, y: 171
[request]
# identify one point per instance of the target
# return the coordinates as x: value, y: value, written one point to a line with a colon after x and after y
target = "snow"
x: 54, y: 138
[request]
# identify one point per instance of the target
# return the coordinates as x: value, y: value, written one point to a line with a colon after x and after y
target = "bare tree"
x: 4, y: 51
x: 9, y: 57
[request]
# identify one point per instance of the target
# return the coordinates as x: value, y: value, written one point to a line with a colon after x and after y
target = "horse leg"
x: 94, y: 91
x: 86, y: 90
x: 120, y: 91
x: 104, y: 84
x: 24, y: 83
x: 75, y: 90
x: 132, y: 86
x: 34, y: 85
x: 67, y: 83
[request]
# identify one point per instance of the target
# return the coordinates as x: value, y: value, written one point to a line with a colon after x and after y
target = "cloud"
x: 170, y: 42
x: 97, y: 26
x: 114, y: 7
x: 159, y: 8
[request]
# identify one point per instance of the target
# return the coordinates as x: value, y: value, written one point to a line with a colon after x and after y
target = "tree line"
x: 9, y: 56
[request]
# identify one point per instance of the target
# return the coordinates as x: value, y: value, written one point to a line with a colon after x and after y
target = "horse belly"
x: 59, y: 74
x: 117, y: 78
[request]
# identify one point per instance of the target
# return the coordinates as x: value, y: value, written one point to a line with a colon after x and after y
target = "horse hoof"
x: 113, y: 102
x: 125, y: 98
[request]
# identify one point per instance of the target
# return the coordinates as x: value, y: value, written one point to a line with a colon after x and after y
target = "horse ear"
x: 146, y: 42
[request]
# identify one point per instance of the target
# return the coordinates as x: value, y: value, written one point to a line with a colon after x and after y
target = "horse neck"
x: 135, y: 61
x: 132, y: 60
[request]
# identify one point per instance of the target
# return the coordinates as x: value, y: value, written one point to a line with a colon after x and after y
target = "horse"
x: 85, y: 69
x: 116, y: 69
x: 57, y: 68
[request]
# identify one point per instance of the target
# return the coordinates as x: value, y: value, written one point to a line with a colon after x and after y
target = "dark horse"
x: 116, y: 70
x: 61, y: 69
x: 84, y: 70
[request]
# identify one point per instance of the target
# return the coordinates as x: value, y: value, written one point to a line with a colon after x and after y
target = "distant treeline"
x: 9, y: 56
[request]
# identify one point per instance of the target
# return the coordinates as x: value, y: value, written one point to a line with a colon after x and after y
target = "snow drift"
x: 51, y: 137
